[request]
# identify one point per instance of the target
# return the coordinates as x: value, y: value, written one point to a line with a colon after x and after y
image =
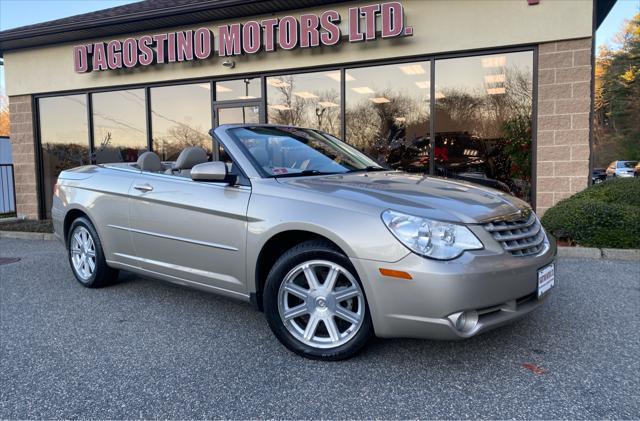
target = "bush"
x: 604, y: 215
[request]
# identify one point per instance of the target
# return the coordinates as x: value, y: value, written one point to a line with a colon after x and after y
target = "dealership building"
x: 497, y: 92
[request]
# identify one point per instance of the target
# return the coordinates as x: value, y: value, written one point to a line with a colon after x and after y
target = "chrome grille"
x: 522, y: 237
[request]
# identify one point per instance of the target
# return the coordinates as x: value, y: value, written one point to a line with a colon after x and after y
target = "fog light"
x: 464, y: 321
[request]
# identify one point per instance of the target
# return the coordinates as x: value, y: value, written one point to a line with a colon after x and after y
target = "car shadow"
x: 521, y: 339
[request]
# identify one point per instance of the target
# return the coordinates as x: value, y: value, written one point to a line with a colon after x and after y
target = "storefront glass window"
x: 248, y: 88
x: 483, y: 120
x: 64, y: 136
x: 180, y: 117
x: 309, y: 100
x: 119, y: 125
x: 387, y: 113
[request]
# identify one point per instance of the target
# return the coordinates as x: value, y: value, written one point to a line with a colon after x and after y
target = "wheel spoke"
x: 297, y: 290
x: 311, y: 277
x: 91, y: 253
x: 332, y: 328
x: 78, y: 239
x: 296, y: 311
x: 92, y: 264
x: 332, y: 277
x: 312, y: 326
x: 346, y: 293
x: 347, y: 315
x: 321, y: 298
x: 75, y: 251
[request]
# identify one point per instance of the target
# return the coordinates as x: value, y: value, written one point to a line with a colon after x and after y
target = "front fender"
x: 359, y: 234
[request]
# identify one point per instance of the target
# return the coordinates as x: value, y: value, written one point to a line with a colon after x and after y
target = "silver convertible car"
x: 333, y: 247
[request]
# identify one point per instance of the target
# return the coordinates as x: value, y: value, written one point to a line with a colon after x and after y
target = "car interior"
x: 188, y: 158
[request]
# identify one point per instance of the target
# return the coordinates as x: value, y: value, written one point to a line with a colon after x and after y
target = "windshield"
x: 291, y: 151
x: 626, y: 164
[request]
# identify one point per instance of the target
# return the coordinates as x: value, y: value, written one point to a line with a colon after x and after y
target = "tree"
x: 617, y: 97
x: 4, y: 122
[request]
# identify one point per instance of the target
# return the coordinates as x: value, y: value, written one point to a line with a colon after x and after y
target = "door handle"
x: 143, y: 187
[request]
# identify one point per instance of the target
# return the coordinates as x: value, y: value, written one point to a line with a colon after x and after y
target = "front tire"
x: 315, y: 303
x: 86, y: 256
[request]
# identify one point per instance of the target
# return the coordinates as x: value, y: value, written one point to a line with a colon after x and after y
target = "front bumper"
x: 500, y: 287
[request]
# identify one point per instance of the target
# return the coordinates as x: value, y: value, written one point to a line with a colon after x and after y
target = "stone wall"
x: 23, y: 151
x: 564, y: 105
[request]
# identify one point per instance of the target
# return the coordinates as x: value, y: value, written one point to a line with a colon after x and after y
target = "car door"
x: 190, y: 230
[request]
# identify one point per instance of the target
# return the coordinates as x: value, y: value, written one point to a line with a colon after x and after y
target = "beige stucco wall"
x: 439, y: 26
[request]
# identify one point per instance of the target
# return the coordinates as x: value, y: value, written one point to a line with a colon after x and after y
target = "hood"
x: 427, y: 196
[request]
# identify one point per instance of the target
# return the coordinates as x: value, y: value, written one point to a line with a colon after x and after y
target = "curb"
x: 632, y: 255
x: 18, y: 235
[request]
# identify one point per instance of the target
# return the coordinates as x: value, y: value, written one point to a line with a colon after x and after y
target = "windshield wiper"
x: 370, y: 168
x: 304, y: 173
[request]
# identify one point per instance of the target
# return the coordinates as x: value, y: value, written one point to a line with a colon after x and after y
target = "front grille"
x: 522, y: 237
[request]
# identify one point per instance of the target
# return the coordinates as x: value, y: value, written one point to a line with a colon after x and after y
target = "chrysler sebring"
x: 333, y: 247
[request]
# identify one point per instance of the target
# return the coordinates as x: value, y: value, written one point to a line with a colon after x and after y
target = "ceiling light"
x: 400, y: 119
x: 439, y: 95
x: 206, y: 86
x: 305, y: 95
x: 280, y: 107
x: 495, y: 61
x: 336, y: 76
x: 363, y: 90
x: 423, y: 85
x: 277, y: 83
x: 413, y: 69
x: 328, y: 104
x: 247, y: 97
x: 495, y: 91
x: 379, y: 100
x: 494, y: 78
x: 220, y: 88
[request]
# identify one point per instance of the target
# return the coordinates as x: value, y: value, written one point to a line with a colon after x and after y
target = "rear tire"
x: 315, y: 303
x: 86, y: 255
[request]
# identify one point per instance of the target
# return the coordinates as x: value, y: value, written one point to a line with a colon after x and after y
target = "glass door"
x: 246, y: 112
x: 235, y: 112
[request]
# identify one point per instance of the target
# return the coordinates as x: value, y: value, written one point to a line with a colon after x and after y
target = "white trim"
x: 173, y: 237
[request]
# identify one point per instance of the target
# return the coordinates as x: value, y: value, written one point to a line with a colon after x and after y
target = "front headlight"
x: 435, y: 239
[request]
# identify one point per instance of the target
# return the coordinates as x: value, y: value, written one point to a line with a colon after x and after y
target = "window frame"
x: 37, y: 141
x: 91, y: 125
x: 341, y: 67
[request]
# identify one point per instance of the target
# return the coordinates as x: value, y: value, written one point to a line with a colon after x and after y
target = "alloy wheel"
x: 83, y: 253
x: 321, y: 304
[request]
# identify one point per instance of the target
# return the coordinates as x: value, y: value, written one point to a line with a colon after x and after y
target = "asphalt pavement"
x: 147, y: 349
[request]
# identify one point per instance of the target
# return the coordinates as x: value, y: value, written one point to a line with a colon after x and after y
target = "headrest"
x: 149, y: 161
x: 189, y: 157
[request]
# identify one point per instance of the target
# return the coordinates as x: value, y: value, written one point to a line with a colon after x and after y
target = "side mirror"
x: 209, y: 171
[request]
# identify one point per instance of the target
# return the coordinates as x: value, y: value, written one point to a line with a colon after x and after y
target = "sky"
x: 623, y: 9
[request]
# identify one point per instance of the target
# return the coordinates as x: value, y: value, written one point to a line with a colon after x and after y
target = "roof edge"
x: 49, y: 27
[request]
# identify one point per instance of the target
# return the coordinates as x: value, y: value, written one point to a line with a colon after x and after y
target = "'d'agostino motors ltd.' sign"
x: 287, y: 33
